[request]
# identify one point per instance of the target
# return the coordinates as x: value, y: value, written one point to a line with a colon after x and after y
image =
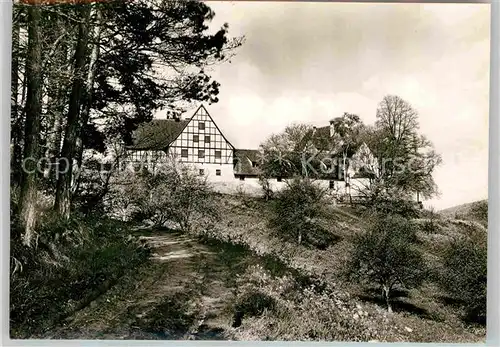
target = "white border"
x: 493, y: 319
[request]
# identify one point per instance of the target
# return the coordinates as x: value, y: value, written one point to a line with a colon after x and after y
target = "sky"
x: 311, y: 62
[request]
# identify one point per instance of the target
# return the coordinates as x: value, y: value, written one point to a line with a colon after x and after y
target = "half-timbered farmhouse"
x: 196, y: 141
x: 199, y: 142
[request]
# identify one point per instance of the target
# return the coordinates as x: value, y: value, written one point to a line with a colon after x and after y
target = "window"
x: 254, y: 164
x: 242, y: 178
x: 201, y: 125
x: 202, y: 172
x: 201, y: 153
x: 196, y: 138
x: 207, y: 139
x: 184, y: 153
x: 217, y: 172
x: 218, y: 154
x: 332, y: 184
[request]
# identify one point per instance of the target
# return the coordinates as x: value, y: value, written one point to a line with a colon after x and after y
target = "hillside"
x: 477, y: 211
x: 421, y: 315
x: 237, y: 280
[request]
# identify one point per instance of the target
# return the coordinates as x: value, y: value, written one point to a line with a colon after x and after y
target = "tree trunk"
x: 55, y: 134
x: 89, y: 92
x: 65, y: 169
x: 32, y: 126
x: 385, y: 293
x: 57, y: 110
x: 16, y: 130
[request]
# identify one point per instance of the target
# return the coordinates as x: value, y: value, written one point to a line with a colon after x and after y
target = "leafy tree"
x: 281, y: 154
x: 464, y: 274
x: 386, y: 255
x: 89, y: 72
x: 407, y: 159
x: 296, y: 207
x: 348, y: 129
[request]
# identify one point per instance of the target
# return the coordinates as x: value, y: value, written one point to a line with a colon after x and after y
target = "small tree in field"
x: 267, y: 191
x: 296, y: 207
x: 386, y: 255
x: 464, y: 275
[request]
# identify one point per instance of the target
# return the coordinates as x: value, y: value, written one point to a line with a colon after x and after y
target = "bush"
x: 267, y: 190
x: 405, y: 208
x: 479, y: 211
x: 296, y: 208
x: 386, y: 255
x: 430, y: 225
x: 173, y: 193
x: 463, y: 276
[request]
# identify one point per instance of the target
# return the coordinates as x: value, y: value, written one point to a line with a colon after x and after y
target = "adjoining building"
x: 199, y: 142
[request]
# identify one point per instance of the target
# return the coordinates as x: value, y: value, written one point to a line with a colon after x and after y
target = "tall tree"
x: 63, y: 192
x: 407, y: 158
x: 31, y: 153
x: 16, y: 106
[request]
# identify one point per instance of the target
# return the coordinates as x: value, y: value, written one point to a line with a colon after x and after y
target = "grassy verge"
x: 73, y: 263
x: 340, y: 310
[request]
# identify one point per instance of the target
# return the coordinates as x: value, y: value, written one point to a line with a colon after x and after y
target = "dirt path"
x: 181, y: 294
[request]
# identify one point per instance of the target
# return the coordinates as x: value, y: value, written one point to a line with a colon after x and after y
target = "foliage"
x: 386, y: 255
x: 479, y: 211
x: 281, y: 154
x: 267, y: 190
x: 296, y: 207
x: 430, y: 225
x: 406, y: 158
x: 393, y: 205
x: 74, y: 262
x: 172, y: 193
x: 85, y: 74
x: 348, y: 130
x: 464, y: 274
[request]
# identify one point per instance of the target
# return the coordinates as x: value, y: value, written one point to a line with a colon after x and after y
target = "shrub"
x: 267, y: 191
x: 173, y: 193
x: 386, y: 255
x: 464, y: 273
x: 479, y: 211
x: 430, y: 225
x: 296, y: 207
x: 404, y: 208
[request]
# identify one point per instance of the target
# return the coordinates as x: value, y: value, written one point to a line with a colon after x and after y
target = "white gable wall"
x: 202, y: 145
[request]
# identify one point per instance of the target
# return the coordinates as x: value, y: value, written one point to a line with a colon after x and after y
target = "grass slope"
x: 423, y: 315
x: 474, y: 211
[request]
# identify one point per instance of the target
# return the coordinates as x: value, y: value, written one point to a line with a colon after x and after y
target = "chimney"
x: 332, y: 130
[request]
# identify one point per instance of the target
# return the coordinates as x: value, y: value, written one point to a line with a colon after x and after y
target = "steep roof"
x: 319, y: 138
x: 157, y: 134
x: 244, y: 159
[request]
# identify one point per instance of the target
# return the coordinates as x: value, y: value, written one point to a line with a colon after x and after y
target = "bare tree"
x: 397, y: 117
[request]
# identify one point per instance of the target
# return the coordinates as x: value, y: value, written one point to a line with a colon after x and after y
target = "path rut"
x: 143, y: 305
